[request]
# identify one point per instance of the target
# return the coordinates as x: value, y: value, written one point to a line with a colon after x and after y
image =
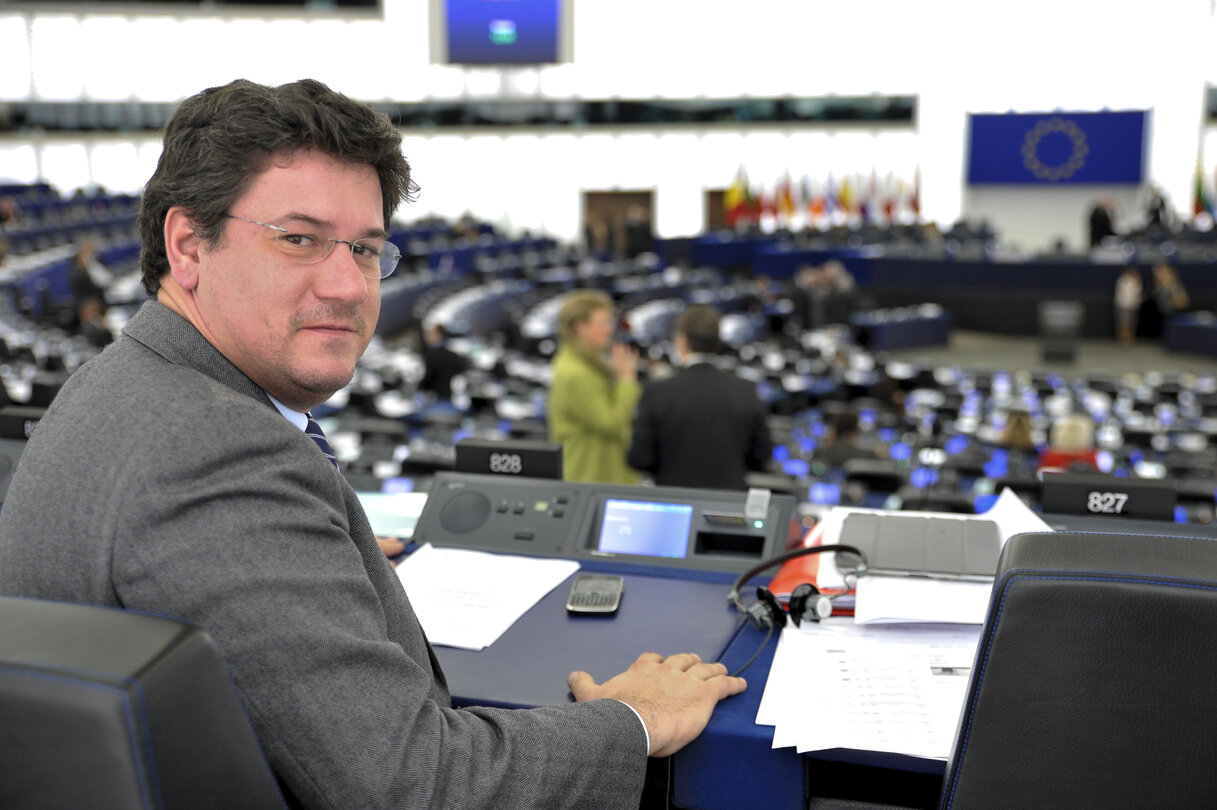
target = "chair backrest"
x: 1094, y: 682
x: 106, y: 708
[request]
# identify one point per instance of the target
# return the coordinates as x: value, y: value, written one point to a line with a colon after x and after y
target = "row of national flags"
x: 854, y: 198
x: 848, y: 199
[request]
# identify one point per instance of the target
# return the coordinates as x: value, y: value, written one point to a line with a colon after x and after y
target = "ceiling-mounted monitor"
x: 501, y: 32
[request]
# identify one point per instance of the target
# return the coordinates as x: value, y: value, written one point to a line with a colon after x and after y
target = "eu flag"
x: 1057, y: 148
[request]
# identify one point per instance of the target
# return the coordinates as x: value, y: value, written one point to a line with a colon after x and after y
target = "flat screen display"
x: 646, y: 528
x: 502, y: 32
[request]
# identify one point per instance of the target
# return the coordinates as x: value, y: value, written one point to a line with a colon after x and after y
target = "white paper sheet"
x: 889, y: 689
x: 891, y: 599
x: 467, y: 599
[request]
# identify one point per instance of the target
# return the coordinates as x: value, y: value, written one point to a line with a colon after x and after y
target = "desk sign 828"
x: 507, y: 463
x: 1106, y: 503
x: 519, y: 457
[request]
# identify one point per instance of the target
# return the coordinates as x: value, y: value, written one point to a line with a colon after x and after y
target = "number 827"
x: 1111, y: 503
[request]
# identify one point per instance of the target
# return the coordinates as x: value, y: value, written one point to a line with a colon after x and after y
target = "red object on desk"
x: 806, y: 568
x: 1067, y: 459
x: 801, y: 569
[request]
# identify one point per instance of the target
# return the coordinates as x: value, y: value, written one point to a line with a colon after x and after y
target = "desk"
x: 527, y: 666
x: 1195, y: 333
x: 883, y: 330
x: 663, y: 610
x: 732, y: 764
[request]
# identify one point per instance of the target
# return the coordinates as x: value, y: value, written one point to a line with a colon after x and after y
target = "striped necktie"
x: 315, y: 433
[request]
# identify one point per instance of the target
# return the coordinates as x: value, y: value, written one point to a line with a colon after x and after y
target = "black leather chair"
x: 1094, y: 680
x: 105, y: 708
x: 1094, y: 677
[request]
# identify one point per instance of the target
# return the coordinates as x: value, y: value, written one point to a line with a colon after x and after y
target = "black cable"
x: 748, y: 663
x: 734, y: 598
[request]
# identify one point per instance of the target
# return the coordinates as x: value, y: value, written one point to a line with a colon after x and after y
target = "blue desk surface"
x: 527, y: 666
x: 732, y: 764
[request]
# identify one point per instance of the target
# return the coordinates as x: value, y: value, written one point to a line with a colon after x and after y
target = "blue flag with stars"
x: 1082, y: 148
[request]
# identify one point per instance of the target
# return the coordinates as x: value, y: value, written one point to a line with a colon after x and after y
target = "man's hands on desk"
x: 674, y: 696
x: 391, y: 546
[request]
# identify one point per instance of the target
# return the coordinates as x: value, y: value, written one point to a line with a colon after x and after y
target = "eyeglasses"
x: 376, y: 258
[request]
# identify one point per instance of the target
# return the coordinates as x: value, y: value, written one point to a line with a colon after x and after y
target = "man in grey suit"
x: 703, y: 427
x: 173, y: 474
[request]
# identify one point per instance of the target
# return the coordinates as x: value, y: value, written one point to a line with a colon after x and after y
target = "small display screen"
x: 645, y: 527
x: 489, y: 32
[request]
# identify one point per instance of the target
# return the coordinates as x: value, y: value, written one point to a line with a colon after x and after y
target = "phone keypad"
x: 596, y: 599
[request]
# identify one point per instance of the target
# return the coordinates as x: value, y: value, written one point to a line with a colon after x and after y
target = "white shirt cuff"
x: 645, y: 733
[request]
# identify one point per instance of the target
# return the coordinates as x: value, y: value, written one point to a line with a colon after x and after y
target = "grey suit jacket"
x: 162, y: 479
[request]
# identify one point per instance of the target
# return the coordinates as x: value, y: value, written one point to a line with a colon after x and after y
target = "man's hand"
x: 391, y: 546
x: 673, y: 695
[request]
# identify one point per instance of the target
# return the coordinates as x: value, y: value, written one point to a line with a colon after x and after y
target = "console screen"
x: 645, y: 527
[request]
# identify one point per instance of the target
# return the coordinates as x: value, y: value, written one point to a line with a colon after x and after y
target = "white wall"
x: 955, y: 56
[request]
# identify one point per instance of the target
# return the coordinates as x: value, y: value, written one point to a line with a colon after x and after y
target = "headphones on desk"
x: 806, y: 601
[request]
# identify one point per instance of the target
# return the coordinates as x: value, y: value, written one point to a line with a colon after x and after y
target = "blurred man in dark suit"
x: 703, y: 427
x: 440, y: 363
x: 1102, y: 221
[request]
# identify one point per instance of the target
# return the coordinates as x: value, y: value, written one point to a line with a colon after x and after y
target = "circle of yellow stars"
x: 1065, y: 170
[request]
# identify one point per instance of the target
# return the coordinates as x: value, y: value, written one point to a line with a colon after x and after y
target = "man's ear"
x: 681, y: 343
x: 182, y: 248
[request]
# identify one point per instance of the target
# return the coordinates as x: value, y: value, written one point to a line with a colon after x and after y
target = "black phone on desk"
x: 596, y: 594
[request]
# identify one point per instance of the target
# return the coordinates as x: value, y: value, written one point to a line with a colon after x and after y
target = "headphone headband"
x: 733, y: 595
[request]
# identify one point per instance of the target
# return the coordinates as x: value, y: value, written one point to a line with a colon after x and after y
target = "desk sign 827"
x: 1107, y: 503
x: 1109, y: 495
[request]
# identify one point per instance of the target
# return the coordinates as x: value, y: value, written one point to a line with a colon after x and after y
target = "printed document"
x: 871, y: 688
x: 467, y: 599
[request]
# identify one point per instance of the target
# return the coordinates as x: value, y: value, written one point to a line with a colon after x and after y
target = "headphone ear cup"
x: 767, y: 612
x: 808, y: 604
x: 798, y: 602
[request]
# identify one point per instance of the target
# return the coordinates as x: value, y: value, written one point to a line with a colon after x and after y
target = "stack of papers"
x: 895, y: 690
x: 892, y: 679
x: 467, y: 599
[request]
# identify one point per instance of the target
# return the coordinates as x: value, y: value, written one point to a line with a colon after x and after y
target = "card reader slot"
x: 729, y: 544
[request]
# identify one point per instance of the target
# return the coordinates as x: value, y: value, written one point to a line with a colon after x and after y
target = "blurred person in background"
x: 593, y: 391
x: 703, y: 427
x: 440, y: 363
x: 1129, y: 294
x: 1070, y: 444
x: 1168, y: 291
x: 10, y: 211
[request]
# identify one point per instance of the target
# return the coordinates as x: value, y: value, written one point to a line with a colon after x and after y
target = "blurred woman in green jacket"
x: 593, y: 392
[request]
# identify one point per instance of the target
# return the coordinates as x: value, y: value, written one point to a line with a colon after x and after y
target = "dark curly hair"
x: 218, y: 141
